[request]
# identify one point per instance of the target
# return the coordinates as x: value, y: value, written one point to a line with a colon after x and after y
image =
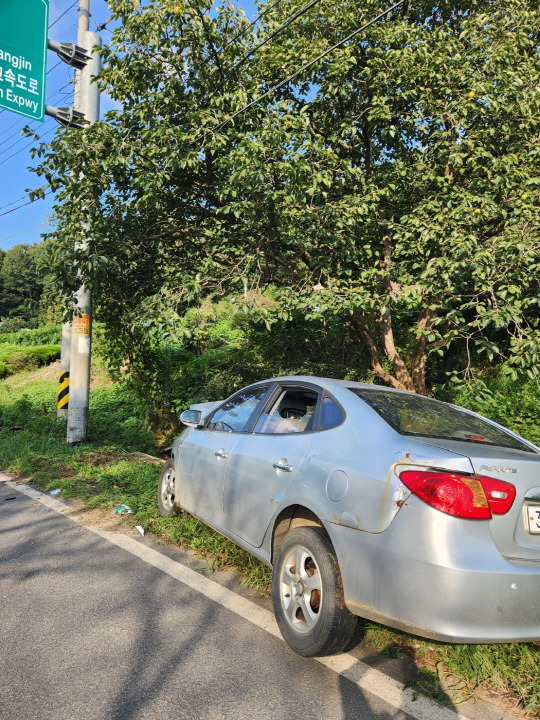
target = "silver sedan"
x: 371, y: 502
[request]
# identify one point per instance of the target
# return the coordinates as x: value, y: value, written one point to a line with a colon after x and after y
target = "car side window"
x: 331, y: 415
x: 235, y: 413
x: 291, y: 412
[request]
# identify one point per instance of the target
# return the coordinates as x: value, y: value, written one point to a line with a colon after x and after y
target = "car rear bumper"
x: 438, y: 576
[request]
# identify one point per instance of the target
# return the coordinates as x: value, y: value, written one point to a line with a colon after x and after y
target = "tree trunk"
x: 412, y: 379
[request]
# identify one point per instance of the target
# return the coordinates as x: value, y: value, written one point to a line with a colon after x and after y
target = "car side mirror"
x: 191, y: 418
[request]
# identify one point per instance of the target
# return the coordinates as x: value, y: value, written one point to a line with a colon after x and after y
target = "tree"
x: 394, y: 183
x: 20, y: 279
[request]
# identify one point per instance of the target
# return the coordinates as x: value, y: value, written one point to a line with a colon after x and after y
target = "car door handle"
x: 221, y: 454
x: 280, y: 466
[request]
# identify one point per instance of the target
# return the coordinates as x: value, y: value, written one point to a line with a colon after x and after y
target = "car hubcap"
x: 301, y: 590
x: 168, y: 491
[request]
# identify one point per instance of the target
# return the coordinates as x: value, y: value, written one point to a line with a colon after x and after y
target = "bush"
x: 27, y: 359
x: 514, y: 404
x: 215, y: 350
x: 13, y: 325
x: 116, y: 419
x: 41, y: 336
x: 21, y: 361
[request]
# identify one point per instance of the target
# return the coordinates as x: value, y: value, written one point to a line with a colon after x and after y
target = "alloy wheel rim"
x: 301, y: 589
x: 168, y: 489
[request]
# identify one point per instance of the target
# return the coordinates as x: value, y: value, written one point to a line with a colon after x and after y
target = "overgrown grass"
x: 103, y: 473
x: 509, y: 670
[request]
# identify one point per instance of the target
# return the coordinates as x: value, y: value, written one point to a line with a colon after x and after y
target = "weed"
x: 427, y: 683
x: 394, y: 651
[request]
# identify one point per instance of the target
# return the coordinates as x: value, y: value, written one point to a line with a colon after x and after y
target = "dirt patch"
x: 103, y: 459
x: 103, y: 519
x: 99, y: 377
x: 65, y: 471
x: 49, y: 372
x: 144, y: 457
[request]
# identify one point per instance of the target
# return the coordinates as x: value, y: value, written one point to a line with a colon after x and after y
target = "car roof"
x: 329, y: 383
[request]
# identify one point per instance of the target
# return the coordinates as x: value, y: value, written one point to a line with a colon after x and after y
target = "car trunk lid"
x: 517, y: 533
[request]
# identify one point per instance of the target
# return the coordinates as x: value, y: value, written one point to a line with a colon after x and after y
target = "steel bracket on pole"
x: 66, y: 116
x: 70, y: 53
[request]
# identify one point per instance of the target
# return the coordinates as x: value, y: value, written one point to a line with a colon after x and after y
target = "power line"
x: 9, y: 128
x: 23, y: 197
x: 35, y: 125
x: 251, y: 24
x: 17, y: 132
x: 294, y: 75
x: 62, y: 15
x: 54, y: 66
x: 266, y: 40
x: 3, y: 240
x: 24, y: 123
x: 22, y: 139
x: 7, y: 212
x: 14, y: 201
x: 27, y: 146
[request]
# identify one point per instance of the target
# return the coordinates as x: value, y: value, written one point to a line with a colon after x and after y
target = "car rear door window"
x: 234, y: 415
x: 419, y: 415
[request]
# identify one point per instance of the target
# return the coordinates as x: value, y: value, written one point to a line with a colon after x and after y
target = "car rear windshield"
x: 418, y: 415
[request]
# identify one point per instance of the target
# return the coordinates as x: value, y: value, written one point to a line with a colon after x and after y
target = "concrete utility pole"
x: 77, y: 425
x: 84, y: 27
x: 65, y: 352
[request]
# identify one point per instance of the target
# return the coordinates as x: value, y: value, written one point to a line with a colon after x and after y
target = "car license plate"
x: 533, y: 515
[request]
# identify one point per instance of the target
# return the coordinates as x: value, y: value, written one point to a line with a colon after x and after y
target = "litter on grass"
x: 55, y: 492
x: 123, y: 509
x: 140, y: 529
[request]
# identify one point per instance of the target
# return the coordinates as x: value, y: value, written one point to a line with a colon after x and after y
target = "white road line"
x: 365, y: 677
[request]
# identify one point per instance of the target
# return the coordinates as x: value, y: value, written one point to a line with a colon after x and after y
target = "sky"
x: 25, y: 224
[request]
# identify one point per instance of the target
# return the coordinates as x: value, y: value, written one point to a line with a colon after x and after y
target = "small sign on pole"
x: 23, y: 56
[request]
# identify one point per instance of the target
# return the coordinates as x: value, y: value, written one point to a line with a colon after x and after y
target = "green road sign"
x: 23, y: 54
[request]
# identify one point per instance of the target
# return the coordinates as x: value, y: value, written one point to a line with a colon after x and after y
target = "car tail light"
x: 467, y: 496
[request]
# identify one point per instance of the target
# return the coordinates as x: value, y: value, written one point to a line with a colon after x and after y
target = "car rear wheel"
x: 308, y: 596
x: 167, y: 496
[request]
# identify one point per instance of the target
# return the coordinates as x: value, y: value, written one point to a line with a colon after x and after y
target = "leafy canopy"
x: 394, y: 184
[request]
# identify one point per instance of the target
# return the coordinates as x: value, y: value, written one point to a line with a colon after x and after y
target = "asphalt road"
x: 89, y: 629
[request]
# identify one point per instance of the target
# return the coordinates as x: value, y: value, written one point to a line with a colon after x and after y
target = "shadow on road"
x: 91, y: 631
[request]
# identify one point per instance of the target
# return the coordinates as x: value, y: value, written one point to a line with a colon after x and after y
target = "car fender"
x: 179, y: 441
x: 288, y: 507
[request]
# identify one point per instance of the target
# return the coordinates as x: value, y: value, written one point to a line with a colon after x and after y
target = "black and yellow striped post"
x: 63, y: 382
x: 63, y: 393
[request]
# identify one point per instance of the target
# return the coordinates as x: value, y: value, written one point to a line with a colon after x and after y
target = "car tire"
x: 167, y: 497
x: 307, y: 594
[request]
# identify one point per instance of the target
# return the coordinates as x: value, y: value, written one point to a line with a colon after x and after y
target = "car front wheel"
x: 167, y: 496
x: 308, y: 596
